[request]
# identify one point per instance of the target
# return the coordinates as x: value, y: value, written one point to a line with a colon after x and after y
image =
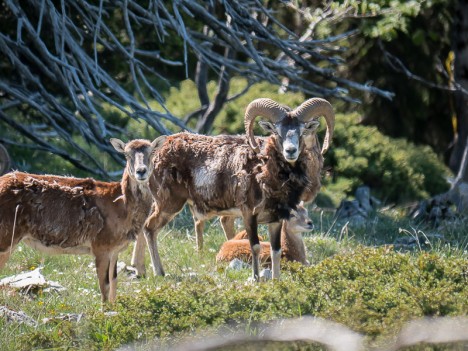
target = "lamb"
x: 292, y: 245
x: 260, y: 179
x: 65, y: 215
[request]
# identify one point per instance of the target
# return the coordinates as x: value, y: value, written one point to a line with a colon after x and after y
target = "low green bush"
x: 395, y: 169
x: 372, y: 291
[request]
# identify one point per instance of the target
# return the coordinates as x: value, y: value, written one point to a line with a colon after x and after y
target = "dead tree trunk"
x: 458, y: 193
x: 461, y: 77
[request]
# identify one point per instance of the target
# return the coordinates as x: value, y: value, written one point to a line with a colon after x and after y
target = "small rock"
x: 70, y: 317
x: 237, y: 264
x: 121, y: 266
x: 434, y: 211
x: 111, y: 313
x: 266, y: 274
x: 30, y: 281
x: 191, y: 275
x: 250, y: 281
x: 422, y: 241
x: 18, y: 317
x: 356, y: 212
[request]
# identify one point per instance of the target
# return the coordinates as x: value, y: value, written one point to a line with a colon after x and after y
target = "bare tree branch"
x: 399, y: 66
x: 66, y: 59
x: 5, y: 160
x: 205, y: 123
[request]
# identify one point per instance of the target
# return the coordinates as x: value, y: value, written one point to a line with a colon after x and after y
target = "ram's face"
x: 289, y: 134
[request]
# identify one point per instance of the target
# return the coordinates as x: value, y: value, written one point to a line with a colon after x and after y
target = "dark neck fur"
x: 284, y: 183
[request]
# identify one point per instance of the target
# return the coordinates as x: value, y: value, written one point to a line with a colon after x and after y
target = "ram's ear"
x: 267, y: 127
x: 118, y: 144
x: 311, y: 126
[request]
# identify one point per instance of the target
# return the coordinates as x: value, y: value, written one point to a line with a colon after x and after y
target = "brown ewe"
x: 65, y: 215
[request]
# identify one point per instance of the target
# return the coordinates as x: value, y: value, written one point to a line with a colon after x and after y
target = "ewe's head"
x: 289, y: 126
x: 139, y: 154
x: 300, y: 222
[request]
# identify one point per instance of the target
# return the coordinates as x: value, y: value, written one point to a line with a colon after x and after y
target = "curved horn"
x: 4, y: 160
x: 316, y: 107
x: 261, y: 107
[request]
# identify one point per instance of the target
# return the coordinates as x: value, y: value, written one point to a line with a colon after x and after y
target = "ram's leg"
x: 228, y: 227
x: 138, y: 256
x: 113, y: 277
x: 274, y: 230
x: 102, y: 270
x: 250, y: 223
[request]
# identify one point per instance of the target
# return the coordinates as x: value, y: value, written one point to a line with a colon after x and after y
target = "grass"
x: 356, y: 279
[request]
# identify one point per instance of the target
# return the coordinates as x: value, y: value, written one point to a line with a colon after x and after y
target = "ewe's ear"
x: 118, y: 144
x: 311, y: 126
x: 267, y: 127
x: 158, y: 142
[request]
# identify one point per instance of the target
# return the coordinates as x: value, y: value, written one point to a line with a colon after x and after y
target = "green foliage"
x: 419, y: 34
x: 370, y: 290
x: 382, y: 19
x: 182, y: 99
x: 396, y: 170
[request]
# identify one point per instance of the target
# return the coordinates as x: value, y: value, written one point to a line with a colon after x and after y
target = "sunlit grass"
x: 187, y: 268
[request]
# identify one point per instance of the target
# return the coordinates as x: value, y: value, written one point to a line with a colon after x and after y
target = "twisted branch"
x: 65, y: 59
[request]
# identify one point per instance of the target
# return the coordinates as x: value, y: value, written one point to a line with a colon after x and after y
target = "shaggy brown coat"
x: 65, y: 215
x: 221, y: 175
x: 217, y: 174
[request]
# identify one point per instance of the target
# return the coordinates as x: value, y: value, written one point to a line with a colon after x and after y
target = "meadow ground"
x: 357, y: 278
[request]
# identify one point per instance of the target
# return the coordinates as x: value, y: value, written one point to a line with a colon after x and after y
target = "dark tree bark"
x: 461, y: 77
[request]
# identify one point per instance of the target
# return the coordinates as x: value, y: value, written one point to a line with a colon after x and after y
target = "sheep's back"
x: 216, y: 173
x: 56, y: 210
x: 240, y: 249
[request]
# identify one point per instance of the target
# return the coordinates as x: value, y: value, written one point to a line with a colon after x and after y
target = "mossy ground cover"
x: 355, y: 279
